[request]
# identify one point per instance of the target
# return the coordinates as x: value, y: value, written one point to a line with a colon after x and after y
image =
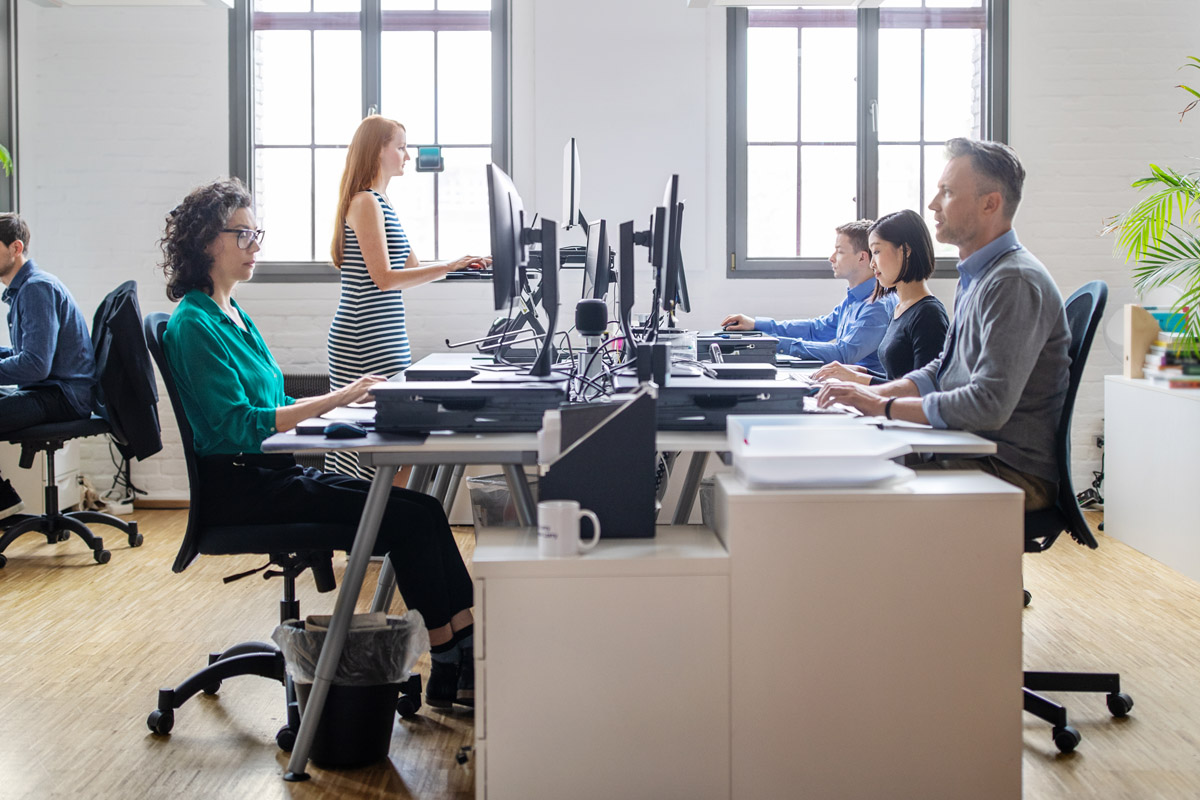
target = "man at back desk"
x: 849, y: 334
x: 1004, y: 369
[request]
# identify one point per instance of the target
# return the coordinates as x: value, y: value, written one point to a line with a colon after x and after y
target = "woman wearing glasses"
x: 232, y: 392
x: 902, y: 260
x: 368, y: 335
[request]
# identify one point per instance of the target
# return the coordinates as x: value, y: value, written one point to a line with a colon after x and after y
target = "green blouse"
x: 227, y: 377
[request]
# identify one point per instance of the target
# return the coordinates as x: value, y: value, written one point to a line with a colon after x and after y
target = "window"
x: 307, y: 71
x: 841, y: 114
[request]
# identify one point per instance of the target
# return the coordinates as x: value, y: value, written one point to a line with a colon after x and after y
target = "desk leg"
x: 456, y: 476
x: 441, y: 484
x: 522, y: 497
x: 339, y: 626
x: 691, y: 486
x: 418, y: 476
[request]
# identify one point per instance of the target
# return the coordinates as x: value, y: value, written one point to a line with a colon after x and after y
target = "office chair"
x: 247, y: 658
x: 1042, y: 528
x: 112, y: 341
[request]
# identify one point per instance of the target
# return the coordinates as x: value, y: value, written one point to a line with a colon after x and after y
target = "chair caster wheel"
x: 135, y: 540
x: 63, y: 536
x: 212, y: 688
x: 407, y: 706
x: 1028, y: 596
x: 286, y: 739
x: 463, y: 755
x: 1119, y: 704
x: 1066, y: 739
x: 3, y: 561
x: 160, y: 721
x: 101, y: 556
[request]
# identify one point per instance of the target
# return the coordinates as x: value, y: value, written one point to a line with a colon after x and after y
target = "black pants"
x: 24, y: 408
x: 414, y: 533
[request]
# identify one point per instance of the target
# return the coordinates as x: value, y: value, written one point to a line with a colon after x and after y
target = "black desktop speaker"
x: 591, y: 317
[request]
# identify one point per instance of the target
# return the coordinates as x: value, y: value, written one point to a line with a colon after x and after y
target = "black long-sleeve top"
x: 912, y: 340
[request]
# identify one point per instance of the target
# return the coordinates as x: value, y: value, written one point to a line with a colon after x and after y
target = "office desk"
x: 385, y: 453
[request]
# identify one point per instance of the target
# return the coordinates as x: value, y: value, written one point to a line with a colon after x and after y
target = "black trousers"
x: 414, y: 533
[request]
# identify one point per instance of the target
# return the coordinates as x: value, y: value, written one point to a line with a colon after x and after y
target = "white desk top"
x: 675, y: 550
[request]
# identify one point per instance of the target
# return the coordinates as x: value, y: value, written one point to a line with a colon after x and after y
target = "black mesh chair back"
x: 1084, y: 310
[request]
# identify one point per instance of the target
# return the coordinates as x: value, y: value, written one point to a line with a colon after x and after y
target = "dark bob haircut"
x: 907, y: 231
x: 191, y: 227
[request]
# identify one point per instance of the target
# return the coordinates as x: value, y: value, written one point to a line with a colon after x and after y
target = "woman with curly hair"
x: 232, y: 391
x: 368, y: 334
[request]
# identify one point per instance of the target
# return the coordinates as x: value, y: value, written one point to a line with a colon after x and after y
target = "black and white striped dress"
x: 368, y: 336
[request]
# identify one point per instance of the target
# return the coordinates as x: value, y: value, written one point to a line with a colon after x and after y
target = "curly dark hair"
x: 191, y: 227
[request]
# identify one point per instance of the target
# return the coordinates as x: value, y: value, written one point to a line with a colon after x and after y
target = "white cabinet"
x: 31, y: 483
x: 1152, y: 469
x: 876, y: 639
x: 606, y: 675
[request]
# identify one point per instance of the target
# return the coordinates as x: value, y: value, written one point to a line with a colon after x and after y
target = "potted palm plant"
x: 1161, y: 234
x: 6, y: 160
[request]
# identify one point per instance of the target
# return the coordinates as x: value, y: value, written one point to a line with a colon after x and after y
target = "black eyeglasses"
x: 246, y: 236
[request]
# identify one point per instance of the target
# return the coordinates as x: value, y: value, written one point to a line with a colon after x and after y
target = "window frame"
x: 994, y: 125
x: 241, y: 114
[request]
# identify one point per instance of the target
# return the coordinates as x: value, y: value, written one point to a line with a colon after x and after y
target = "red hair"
x: 362, y: 167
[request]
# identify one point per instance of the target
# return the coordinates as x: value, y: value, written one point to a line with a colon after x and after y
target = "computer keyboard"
x: 469, y: 275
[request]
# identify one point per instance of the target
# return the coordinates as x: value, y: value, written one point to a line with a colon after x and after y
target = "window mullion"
x: 372, y: 48
x: 868, y: 108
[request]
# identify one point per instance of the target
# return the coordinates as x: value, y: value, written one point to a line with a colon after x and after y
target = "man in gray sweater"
x: 1003, y: 371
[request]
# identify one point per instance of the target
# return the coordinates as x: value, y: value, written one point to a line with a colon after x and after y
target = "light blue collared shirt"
x: 850, y: 334
x: 970, y: 269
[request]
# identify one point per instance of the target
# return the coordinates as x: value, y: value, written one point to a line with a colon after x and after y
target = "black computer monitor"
x: 674, y: 293
x: 625, y: 283
x: 596, y: 262
x: 671, y: 266
x: 571, y: 214
x: 548, y: 236
x: 507, y: 215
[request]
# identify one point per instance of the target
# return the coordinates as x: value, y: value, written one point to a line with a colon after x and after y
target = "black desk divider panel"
x: 607, y: 463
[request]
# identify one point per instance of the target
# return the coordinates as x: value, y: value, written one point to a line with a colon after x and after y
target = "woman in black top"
x: 902, y: 260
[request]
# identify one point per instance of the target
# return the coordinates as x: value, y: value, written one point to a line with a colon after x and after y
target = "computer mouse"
x: 344, y: 430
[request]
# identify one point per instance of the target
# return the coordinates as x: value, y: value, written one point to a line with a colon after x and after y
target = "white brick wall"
x: 124, y: 110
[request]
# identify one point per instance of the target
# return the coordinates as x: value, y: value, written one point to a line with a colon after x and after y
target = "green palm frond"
x: 6, y: 160
x: 1177, y: 198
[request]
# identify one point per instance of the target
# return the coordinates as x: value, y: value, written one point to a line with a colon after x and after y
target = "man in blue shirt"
x: 48, y: 374
x: 851, y: 333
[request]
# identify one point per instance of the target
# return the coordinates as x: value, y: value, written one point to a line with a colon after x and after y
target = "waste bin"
x: 492, y: 505
x: 356, y: 722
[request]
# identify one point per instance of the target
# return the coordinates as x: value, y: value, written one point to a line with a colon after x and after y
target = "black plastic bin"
x: 356, y: 724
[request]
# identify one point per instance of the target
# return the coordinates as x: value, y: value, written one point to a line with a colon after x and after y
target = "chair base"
x: 1067, y: 738
x: 58, y: 527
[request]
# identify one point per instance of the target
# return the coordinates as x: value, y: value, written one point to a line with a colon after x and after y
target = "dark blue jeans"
x: 22, y: 408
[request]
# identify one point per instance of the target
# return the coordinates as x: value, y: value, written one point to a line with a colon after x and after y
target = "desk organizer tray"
x: 704, y: 404
x: 739, y: 346
x: 816, y: 456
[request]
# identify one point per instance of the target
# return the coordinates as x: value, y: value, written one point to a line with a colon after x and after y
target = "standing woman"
x: 902, y: 260
x: 232, y: 391
x: 368, y: 335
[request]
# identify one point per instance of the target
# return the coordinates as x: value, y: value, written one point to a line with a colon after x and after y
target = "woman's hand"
x: 469, y: 262
x: 358, y: 391
x: 853, y: 395
x: 834, y: 371
x: 738, y: 322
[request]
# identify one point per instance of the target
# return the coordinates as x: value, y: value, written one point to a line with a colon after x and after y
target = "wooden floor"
x: 84, y: 647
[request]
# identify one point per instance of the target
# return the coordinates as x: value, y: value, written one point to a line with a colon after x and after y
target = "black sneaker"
x: 442, y: 688
x: 10, y: 501
x: 466, y: 683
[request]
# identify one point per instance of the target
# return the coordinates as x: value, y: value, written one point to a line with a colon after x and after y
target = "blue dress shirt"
x: 970, y: 269
x: 851, y: 333
x: 50, y: 341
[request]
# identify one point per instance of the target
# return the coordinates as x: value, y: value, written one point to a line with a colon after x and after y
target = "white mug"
x: 558, y: 529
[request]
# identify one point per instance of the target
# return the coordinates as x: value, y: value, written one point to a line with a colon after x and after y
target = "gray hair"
x: 997, y: 165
